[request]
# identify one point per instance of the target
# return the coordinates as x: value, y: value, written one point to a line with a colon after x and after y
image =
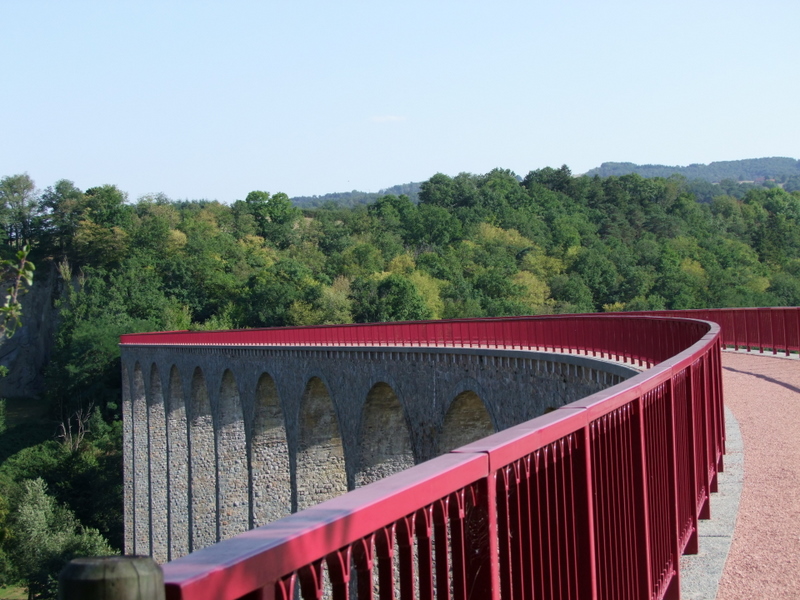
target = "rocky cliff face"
x: 27, y: 352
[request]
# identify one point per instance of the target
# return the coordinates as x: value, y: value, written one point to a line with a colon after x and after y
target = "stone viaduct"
x: 221, y: 439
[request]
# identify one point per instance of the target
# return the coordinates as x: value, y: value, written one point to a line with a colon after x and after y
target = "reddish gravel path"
x: 764, y: 559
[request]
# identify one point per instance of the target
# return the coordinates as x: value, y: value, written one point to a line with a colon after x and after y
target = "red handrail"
x: 583, y: 334
x: 763, y: 329
x: 771, y: 330
x: 597, y: 499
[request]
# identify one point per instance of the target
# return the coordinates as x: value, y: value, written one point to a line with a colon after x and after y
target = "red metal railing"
x: 597, y: 499
x: 764, y: 329
x: 648, y: 342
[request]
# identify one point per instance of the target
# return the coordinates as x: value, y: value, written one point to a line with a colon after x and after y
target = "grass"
x: 13, y: 593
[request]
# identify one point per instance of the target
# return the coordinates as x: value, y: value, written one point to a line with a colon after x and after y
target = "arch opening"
x: 384, y: 440
x: 127, y: 462
x: 202, y: 477
x: 178, y: 465
x: 232, y: 498
x: 141, y: 464
x: 270, y: 475
x: 157, y: 427
x: 466, y: 420
x: 320, y: 473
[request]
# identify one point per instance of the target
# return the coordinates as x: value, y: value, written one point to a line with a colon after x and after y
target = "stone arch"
x: 320, y: 472
x: 232, y: 461
x: 141, y: 464
x: 202, y: 464
x: 270, y: 475
x: 178, y: 466
x: 384, y: 440
x: 466, y: 420
x: 157, y: 427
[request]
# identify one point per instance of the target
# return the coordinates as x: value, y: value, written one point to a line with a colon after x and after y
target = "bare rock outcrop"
x: 27, y: 352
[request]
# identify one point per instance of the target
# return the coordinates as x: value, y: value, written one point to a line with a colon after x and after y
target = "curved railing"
x: 764, y: 329
x: 597, y: 499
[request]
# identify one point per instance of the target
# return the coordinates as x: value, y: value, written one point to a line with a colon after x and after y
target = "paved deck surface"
x: 763, y: 560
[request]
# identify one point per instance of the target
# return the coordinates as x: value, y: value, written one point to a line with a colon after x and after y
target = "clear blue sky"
x: 213, y: 100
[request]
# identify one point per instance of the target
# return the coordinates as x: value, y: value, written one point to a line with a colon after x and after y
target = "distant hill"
x: 758, y: 170
x: 736, y: 177
x: 356, y: 198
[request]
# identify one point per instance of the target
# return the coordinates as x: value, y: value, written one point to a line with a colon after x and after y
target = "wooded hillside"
x: 473, y: 245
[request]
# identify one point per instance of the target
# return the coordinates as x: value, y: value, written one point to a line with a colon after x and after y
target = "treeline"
x: 356, y: 198
x: 764, y: 171
x: 473, y: 245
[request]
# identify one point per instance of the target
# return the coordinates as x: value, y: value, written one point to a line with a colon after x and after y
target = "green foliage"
x: 63, y: 208
x: 18, y: 275
x: 18, y: 209
x: 85, y: 477
x: 274, y: 217
x: 47, y: 535
x: 106, y: 206
x: 393, y: 298
x: 272, y: 293
x: 95, y: 310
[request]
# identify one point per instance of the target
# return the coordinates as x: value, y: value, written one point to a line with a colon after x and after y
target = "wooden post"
x: 117, y: 577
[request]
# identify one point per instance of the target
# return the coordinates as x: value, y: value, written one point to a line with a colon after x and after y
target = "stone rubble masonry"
x: 218, y: 440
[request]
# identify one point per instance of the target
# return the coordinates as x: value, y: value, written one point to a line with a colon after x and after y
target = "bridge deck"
x: 764, y: 560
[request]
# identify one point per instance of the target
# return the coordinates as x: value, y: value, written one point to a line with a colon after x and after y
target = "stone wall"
x: 222, y: 439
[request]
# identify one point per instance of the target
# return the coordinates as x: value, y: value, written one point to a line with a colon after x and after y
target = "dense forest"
x: 470, y: 246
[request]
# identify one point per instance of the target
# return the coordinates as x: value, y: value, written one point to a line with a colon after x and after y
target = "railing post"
x: 118, y: 577
x: 485, y: 576
x: 641, y: 493
x: 784, y: 315
x: 674, y: 493
x: 701, y: 396
x: 589, y: 535
x: 692, y: 545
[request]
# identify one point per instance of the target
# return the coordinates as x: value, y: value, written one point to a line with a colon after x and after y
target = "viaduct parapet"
x: 221, y: 439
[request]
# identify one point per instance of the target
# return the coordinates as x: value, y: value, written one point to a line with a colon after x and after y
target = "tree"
x: 275, y: 216
x: 393, y: 298
x: 394, y: 213
x: 105, y: 206
x: 17, y: 275
x: 571, y: 293
x: 276, y: 295
x: 63, y: 208
x: 434, y: 226
x: 599, y: 273
x: 18, y: 207
x: 557, y: 180
x: 361, y: 260
x: 46, y: 536
x: 438, y: 191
